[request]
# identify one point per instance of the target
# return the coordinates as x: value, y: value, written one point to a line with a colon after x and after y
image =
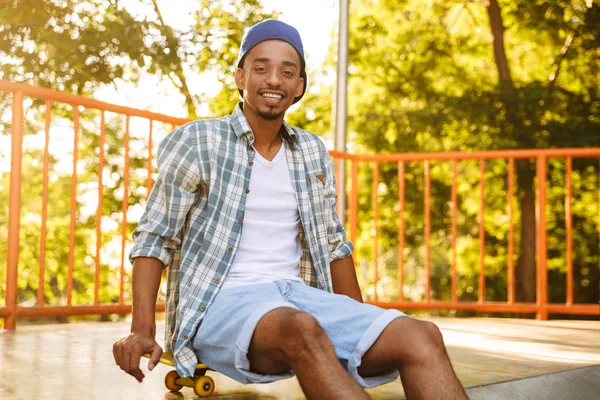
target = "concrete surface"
x: 576, y: 384
x: 74, y: 361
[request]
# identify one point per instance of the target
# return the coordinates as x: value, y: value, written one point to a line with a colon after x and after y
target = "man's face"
x: 270, y: 79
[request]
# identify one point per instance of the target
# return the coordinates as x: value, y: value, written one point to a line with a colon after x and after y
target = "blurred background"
x: 423, y: 76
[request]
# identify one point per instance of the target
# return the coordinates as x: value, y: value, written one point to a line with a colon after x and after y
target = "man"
x: 243, y: 210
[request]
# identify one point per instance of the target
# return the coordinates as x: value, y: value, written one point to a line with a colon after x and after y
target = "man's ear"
x: 239, y: 78
x: 300, y: 87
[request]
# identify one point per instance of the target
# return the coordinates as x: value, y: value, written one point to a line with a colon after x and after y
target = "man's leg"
x: 417, y: 349
x: 287, y: 338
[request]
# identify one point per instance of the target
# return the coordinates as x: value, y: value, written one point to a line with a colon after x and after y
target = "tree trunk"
x: 525, y: 271
x: 497, y: 27
x: 182, y: 86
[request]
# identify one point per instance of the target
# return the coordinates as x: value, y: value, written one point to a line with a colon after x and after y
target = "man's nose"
x: 273, y: 78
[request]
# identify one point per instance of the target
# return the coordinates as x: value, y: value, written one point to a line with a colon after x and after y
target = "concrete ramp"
x: 75, y: 361
x: 576, y: 384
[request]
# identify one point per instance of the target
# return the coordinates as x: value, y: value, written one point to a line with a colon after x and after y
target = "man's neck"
x: 266, y: 132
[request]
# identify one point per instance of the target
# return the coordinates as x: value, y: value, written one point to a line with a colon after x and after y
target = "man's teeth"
x: 272, y: 96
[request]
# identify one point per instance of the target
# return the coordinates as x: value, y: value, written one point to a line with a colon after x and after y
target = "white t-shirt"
x: 269, y: 248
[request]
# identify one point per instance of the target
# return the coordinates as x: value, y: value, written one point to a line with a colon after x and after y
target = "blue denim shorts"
x: 223, y: 338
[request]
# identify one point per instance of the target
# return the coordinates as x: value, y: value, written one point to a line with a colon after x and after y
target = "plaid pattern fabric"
x: 194, y: 216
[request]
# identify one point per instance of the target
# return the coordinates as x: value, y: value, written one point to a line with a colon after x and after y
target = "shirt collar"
x: 242, y: 127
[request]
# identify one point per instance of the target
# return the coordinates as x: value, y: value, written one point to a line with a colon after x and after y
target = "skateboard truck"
x: 202, y: 385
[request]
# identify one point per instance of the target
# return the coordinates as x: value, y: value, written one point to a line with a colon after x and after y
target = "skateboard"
x: 202, y: 385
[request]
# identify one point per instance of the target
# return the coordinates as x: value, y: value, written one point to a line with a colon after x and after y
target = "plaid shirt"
x: 194, y: 216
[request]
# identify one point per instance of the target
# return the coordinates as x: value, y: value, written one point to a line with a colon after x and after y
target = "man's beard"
x: 270, y: 115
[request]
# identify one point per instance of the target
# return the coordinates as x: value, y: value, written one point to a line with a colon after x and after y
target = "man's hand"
x: 129, y: 350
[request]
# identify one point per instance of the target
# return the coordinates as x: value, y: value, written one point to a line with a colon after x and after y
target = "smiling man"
x: 261, y: 280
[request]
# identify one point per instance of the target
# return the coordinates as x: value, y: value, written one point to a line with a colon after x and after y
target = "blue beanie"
x: 268, y: 30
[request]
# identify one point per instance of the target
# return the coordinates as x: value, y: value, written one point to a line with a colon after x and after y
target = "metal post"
x: 340, y: 102
x: 542, y: 266
x: 14, y: 210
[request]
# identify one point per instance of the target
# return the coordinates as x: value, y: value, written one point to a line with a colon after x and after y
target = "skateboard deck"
x: 167, y: 359
x: 202, y: 385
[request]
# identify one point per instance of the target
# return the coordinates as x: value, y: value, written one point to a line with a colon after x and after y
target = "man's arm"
x: 343, y: 275
x: 128, y: 351
x: 147, y: 273
x: 181, y: 173
x: 343, y: 278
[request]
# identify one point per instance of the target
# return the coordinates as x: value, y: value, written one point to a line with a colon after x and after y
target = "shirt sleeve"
x: 175, y: 191
x: 339, y: 247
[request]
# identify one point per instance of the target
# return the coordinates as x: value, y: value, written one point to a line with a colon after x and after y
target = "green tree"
x: 75, y: 46
x: 456, y: 76
x: 569, y: 32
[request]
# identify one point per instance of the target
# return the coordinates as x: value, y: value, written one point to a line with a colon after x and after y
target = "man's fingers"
x: 139, y: 375
x: 120, y: 354
x: 128, y: 352
x: 155, y: 358
x: 134, y: 365
x: 116, y: 353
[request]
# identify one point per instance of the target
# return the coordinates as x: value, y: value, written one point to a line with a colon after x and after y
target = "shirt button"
x: 247, y: 191
x: 185, y: 337
x: 241, y: 221
x: 251, y: 163
x: 250, y: 137
x: 202, y: 308
x: 308, y: 180
x: 230, y: 249
x: 217, y: 280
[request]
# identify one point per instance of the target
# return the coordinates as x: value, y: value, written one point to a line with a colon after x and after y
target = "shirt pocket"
x: 317, y: 192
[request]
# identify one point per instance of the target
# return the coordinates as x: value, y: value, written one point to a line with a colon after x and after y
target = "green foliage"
x: 422, y: 77
x: 75, y: 46
x: 72, y: 46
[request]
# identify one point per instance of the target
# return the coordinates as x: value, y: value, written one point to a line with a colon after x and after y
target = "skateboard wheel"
x: 204, y: 386
x: 171, y: 381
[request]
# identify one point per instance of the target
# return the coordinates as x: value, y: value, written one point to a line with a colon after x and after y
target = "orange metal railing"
x: 542, y: 308
x: 12, y: 311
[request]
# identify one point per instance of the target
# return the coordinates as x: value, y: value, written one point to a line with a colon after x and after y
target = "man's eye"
x: 260, y: 69
x: 288, y: 73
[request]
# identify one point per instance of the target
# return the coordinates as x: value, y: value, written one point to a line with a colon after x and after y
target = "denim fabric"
x: 224, y: 335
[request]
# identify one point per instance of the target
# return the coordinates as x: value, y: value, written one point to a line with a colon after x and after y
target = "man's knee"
x: 303, y: 335
x: 285, y: 334
x: 426, y: 341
